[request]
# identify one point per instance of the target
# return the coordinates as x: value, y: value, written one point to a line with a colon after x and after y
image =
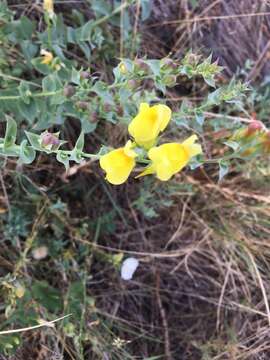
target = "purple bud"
x: 107, y: 107
x: 94, y: 117
x: 169, y: 63
x: 69, y: 91
x: 85, y: 75
x: 132, y: 84
x: 83, y: 105
x: 49, y: 139
x: 141, y: 65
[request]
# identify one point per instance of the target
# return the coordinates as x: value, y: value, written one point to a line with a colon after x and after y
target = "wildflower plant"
x: 136, y: 98
x: 63, y: 84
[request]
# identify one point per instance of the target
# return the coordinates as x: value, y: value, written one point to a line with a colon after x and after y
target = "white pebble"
x: 128, y: 268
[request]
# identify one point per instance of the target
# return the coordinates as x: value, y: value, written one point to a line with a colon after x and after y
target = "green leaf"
x: 34, y: 140
x: 80, y: 142
x: 199, y: 117
x: 27, y: 153
x: 21, y: 29
x: 51, y: 83
x: 101, y: 7
x: 75, y: 76
x: 86, y: 49
x: 11, y: 132
x: 76, y: 154
x: 28, y: 111
x: 232, y: 144
x: 101, y: 89
x: 63, y: 158
x: 42, y: 68
x: 25, y: 92
x: 209, y: 80
x: 84, y: 33
x: 29, y: 50
x: 87, y: 126
x: 223, y: 169
x: 146, y: 6
x: 154, y: 66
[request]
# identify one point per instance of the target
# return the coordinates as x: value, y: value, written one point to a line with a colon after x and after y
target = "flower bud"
x: 253, y: 127
x: 119, y: 110
x: 69, y: 91
x: 123, y: 69
x: 150, y: 84
x: 107, y: 107
x: 20, y: 291
x: 132, y: 84
x: 82, y: 105
x: 141, y: 65
x: 192, y: 59
x: 49, y: 139
x: 85, y: 75
x: 93, y: 117
x: 168, y: 64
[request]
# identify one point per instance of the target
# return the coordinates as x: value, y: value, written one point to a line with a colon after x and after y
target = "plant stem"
x: 37, y: 95
x: 225, y: 158
x: 114, y: 12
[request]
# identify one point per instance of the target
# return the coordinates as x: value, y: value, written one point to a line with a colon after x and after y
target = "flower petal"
x: 128, y: 149
x: 149, y: 122
x: 117, y: 166
x: 164, y: 114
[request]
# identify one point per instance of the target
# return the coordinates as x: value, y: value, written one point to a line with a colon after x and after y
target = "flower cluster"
x: 164, y: 160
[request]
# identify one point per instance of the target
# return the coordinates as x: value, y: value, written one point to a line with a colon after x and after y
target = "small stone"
x: 128, y: 268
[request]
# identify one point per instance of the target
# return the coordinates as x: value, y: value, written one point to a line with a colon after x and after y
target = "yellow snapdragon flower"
x: 149, y: 122
x: 168, y: 159
x: 48, y: 5
x: 119, y: 163
x: 47, y: 57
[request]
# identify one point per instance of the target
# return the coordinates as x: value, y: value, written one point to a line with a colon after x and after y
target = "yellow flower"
x: 47, y: 57
x: 123, y: 69
x: 149, y: 122
x: 168, y: 159
x: 48, y: 5
x: 119, y: 163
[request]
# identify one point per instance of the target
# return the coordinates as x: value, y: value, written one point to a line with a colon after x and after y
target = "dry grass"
x: 235, y: 31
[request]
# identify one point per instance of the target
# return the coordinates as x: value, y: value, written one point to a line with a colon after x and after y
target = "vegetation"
x: 109, y: 153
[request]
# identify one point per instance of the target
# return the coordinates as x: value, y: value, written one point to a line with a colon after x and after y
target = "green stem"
x: 114, y: 12
x: 36, y: 95
x: 9, y: 77
x: 144, y: 161
x: 225, y: 158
